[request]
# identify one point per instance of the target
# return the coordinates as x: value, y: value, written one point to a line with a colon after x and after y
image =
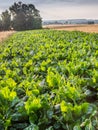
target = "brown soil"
x: 84, y: 28
x: 5, y: 34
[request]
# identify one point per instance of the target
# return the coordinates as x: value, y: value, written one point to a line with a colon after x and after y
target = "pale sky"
x: 60, y: 9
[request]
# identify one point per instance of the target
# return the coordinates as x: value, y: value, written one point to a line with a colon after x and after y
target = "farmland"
x: 91, y: 28
x: 49, y: 81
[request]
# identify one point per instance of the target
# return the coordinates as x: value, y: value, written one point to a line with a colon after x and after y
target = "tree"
x: 90, y: 22
x: 6, y: 20
x: 0, y: 25
x: 25, y: 16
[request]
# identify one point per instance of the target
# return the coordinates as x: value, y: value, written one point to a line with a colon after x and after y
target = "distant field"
x: 84, y: 28
x: 5, y: 34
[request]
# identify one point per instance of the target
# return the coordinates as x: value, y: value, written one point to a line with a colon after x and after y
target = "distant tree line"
x: 20, y: 17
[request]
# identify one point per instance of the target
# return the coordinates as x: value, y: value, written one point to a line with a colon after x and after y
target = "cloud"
x: 59, y: 9
x: 69, y: 12
x: 7, y: 3
x: 89, y: 2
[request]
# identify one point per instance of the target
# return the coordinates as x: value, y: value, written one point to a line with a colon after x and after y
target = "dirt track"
x: 5, y: 34
x: 84, y: 28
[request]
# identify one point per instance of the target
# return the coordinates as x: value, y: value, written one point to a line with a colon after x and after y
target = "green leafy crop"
x: 49, y: 81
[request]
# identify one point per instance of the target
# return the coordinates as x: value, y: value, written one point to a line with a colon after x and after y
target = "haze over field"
x: 61, y: 9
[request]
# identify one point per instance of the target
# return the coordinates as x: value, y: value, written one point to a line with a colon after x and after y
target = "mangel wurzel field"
x: 49, y: 81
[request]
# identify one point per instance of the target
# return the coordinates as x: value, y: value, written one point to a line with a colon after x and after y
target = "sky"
x: 60, y: 9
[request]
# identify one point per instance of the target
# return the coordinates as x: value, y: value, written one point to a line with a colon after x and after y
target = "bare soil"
x: 80, y: 27
x: 5, y: 34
